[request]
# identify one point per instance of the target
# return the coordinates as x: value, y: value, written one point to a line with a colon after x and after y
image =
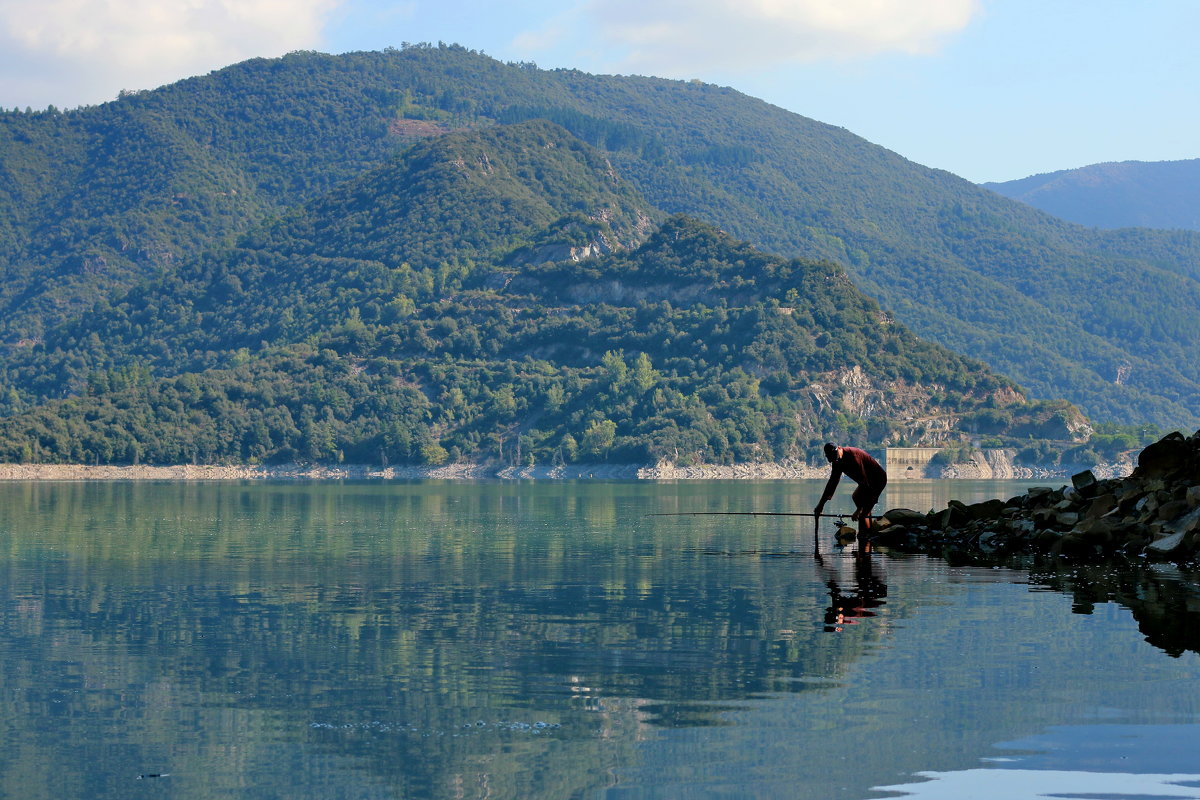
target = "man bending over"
x: 863, y: 470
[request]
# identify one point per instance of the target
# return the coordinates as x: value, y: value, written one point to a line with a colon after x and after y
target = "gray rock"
x: 1165, y: 546
x: 1068, y: 519
x: 1082, y: 480
x: 903, y: 516
x: 1185, y: 524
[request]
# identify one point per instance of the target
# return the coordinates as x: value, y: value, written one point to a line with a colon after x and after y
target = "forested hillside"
x: 336, y: 333
x: 701, y: 350
x: 1156, y: 194
x: 148, y: 189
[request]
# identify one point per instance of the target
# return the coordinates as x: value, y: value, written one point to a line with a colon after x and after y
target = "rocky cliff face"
x: 991, y: 464
x: 573, y: 240
x: 998, y: 464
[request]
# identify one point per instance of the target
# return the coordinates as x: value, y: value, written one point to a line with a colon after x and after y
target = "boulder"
x: 1067, y: 519
x: 902, y: 516
x: 1073, y: 544
x: 989, y: 509
x: 1185, y: 524
x: 1166, y: 546
x: 1192, y: 495
x: 1172, y: 509
x: 955, y: 516
x: 990, y: 541
x: 1102, y: 506
x: 1046, y: 537
x: 1023, y: 526
x: 1044, y: 516
x: 1083, y: 480
x: 1168, y: 456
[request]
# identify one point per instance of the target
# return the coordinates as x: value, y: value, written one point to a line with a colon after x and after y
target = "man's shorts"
x: 865, y: 497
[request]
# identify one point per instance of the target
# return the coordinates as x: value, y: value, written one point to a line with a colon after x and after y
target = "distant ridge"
x: 1126, y: 194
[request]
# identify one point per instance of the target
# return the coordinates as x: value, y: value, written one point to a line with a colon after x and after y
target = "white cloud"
x: 680, y: 37
x: 71, y: 52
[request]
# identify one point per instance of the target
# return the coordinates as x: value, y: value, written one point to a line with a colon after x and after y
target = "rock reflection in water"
x: 1164, y: 599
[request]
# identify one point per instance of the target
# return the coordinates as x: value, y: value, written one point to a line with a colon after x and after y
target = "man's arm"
x: 830, y: 487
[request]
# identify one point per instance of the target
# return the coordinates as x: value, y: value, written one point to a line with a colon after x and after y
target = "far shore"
x: 470, y: 471
x: 462, y: 471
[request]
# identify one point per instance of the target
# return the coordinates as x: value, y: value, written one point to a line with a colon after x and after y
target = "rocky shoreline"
x: 787, y: 470
x: 464, y: 471
x: 1152, y: 513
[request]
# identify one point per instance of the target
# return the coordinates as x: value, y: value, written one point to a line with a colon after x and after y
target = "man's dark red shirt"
x: 860, y: 467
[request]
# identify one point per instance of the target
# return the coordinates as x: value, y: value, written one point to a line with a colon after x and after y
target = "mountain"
x: 499, y: 294
x: 1159, y: 194
x: 406, y: 233
x: 105, y: 198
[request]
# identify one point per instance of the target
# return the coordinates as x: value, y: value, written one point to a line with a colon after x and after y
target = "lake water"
x: 550, y: 640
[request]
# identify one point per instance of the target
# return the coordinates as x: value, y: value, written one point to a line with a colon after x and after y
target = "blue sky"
x: 987, y: 89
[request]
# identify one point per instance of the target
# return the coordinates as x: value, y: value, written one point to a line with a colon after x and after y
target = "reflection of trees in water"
x: 427, y: 632
x: 428, y: 681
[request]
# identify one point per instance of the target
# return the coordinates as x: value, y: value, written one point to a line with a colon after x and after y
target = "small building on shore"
x: 907, y: 463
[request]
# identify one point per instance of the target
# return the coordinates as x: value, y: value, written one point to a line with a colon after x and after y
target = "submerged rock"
x: 1154, y: 512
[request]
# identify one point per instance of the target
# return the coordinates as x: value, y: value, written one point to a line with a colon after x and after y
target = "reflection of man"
x: 861, y: 468
x: 848, y: 609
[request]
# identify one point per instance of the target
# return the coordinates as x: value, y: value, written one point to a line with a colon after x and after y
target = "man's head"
x: 832, y: 452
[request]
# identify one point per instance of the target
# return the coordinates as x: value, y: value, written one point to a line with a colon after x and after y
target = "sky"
x: 990, y: 90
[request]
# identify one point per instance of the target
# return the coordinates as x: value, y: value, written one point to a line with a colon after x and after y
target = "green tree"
x: 645, y: 377
x: 599, y: 437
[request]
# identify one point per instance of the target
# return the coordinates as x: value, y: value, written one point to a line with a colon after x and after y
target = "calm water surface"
x: 550, y: 640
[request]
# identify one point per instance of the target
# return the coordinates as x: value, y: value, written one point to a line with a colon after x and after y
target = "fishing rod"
x: 746, y: 514
x: 816, y: 518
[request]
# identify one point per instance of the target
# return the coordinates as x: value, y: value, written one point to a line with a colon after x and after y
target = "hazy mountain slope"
x: 1157, y: 194
x: 1029, y: 293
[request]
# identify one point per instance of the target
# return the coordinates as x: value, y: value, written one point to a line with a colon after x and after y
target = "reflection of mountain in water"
x: 532, y: 636
x: 422, y: 628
